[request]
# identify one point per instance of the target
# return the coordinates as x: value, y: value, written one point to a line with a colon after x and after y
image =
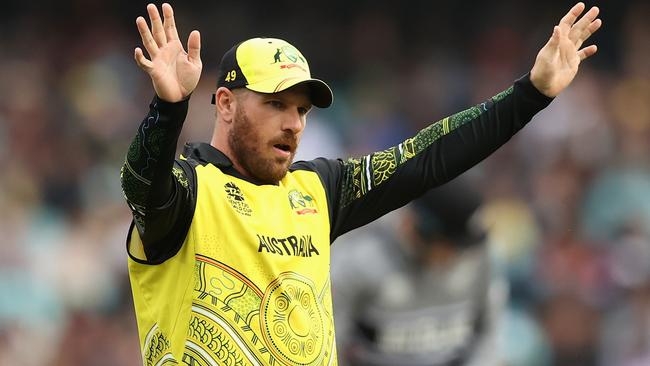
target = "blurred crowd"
x: 567, y: 200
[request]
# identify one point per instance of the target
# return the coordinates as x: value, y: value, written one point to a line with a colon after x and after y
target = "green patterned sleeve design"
x: 361, y: 175
x: 148, y: 175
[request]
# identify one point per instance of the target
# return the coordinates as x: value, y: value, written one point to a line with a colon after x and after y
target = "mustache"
x: 287, y: 139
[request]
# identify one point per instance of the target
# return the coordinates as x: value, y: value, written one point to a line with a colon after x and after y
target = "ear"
x: 226, y: 104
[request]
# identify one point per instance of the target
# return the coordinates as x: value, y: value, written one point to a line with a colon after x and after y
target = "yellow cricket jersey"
x: 250, y: 284
x: 225, y: 271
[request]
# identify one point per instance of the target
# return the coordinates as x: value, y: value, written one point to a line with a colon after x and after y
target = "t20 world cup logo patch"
x: 236, y: 199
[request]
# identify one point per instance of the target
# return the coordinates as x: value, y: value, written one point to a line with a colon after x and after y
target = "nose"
x: 294, y: 122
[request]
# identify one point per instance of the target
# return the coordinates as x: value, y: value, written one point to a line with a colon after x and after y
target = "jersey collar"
x: 206, y: 153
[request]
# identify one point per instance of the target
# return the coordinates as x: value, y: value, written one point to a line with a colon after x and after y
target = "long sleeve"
x: 156, y: 189
x: 362, y: 189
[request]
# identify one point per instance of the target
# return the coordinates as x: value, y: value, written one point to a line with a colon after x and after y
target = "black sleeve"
x: 158, y: 189
x: 361, y: 190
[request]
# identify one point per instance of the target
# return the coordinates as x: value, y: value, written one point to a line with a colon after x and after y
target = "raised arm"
x: 363, y: 189
x: 156, y: 189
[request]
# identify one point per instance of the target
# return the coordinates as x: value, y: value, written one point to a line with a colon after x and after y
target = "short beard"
x: 247, y: 150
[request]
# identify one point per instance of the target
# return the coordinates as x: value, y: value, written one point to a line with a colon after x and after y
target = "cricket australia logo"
x: 289, y: 57
x: 236, y: 199
x: 302, y: 204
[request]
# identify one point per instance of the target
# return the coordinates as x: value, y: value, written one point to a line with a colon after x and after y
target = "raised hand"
x: 174, y: 72
x: 557, y: 62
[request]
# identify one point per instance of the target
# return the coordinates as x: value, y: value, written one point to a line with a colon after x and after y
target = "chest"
x: 262, y: 230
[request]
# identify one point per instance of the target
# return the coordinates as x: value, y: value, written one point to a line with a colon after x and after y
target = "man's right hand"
x: 174, y: 72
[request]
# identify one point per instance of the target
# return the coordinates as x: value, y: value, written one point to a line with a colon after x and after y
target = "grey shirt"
x: 391, y: 310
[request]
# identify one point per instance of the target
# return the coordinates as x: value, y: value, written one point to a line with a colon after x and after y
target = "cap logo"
x: 291, y: 66
x: 289, y: 52
x: 292, y: 54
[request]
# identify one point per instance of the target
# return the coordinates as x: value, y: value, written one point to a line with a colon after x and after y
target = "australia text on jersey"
x: 301, y: 246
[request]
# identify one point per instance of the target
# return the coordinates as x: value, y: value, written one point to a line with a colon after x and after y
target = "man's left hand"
x: 557, y: 62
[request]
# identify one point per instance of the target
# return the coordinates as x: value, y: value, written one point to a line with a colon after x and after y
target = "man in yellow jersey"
x: 229, y: 247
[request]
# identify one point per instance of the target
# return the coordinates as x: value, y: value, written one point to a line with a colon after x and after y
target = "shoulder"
x: 316, y: 165
x: 329, y: 170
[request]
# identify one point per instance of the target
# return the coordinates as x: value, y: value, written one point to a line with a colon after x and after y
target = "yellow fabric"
x: 136, y: 248
x: 261, y: 59
x: 272, y: 65
x: 250, y: 285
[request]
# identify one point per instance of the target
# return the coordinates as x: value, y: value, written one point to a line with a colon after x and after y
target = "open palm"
x: 174, y: 72
x: 557, y: 62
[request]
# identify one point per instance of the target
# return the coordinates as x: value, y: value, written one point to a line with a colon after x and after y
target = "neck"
x: 220, y: 142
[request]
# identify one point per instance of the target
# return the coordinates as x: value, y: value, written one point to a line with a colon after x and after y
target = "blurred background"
x: 566, y: 201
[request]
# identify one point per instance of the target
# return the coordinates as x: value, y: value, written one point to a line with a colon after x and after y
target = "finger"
x: 579, y: 28
x: 147, y: 39
x: 194, y: 47
x: 587, y: 52
x: 573, y: 14
x: 156, y: 25
x: 591, y: 29
x: 142, y: 61
x: 169, y: 23
x: 554, y: 41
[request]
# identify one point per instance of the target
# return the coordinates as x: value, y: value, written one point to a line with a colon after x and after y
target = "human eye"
x: 276, y: 104
x: 303, y: 110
